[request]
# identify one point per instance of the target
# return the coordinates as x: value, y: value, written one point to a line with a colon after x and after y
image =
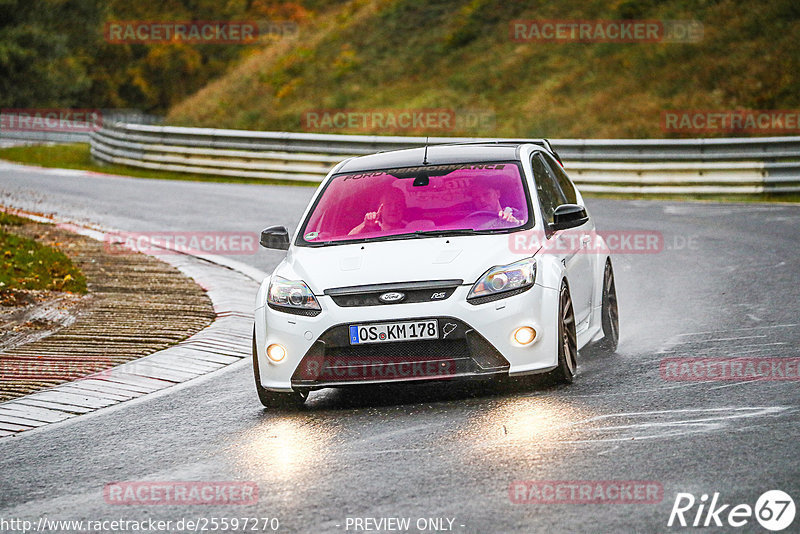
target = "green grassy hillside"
x: 401, y: 54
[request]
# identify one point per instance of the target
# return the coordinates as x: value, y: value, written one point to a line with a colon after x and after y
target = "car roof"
x: 438, y: 155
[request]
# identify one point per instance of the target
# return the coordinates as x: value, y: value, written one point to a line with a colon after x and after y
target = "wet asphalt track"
x: 726, y: 285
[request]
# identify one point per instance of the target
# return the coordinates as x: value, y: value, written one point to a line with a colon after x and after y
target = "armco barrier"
x: 670, y: 166
x: 60, y: 134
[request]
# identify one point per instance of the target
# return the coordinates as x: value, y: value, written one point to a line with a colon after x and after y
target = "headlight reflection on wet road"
x: 285, y: 447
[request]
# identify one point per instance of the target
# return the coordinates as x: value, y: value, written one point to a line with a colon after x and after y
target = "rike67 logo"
x: 774, y: 510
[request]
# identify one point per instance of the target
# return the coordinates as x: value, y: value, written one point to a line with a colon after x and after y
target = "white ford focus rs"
x: 452, y: 261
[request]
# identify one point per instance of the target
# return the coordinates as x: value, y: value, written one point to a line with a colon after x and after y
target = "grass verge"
x: 28, y: 265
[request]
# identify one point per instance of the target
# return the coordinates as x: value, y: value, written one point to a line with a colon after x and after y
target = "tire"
x: 609, y: 313
x: 567, y: 340
x: 274, y: 399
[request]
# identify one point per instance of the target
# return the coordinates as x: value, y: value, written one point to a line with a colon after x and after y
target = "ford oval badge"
x: 392, y: 296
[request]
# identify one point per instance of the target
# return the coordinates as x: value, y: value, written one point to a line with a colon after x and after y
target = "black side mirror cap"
x: 276, y: 237
x: 568, y: 216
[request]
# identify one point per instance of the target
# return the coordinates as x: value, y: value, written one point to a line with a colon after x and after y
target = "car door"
x: 571, y: 245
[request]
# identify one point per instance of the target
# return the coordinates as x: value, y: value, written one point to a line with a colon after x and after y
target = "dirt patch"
x: 26, y: 315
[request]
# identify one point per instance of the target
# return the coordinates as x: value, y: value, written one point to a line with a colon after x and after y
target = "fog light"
x: 524, y: 335
x: 276, y: 352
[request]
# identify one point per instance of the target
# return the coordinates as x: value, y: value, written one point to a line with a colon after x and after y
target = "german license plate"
x: 392, y: 332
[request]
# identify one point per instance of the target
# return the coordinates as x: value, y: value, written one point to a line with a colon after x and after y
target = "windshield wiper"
x: 360, y: 240
x: 395, y: 237
x: 454, y: 232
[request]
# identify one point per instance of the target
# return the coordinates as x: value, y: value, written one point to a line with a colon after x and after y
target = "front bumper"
x: 318, y: 353
x: 333, y: 361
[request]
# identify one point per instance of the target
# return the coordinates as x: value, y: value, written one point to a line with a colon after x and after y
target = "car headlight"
x: 503, y: 281
x: 292, y: 296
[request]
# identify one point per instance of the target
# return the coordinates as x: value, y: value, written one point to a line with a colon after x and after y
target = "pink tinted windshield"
x: 485, y: 197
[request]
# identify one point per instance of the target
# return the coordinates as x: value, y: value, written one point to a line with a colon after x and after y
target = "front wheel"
x: 274, y: 399
x: 609, y: 313
x: 567, y: 340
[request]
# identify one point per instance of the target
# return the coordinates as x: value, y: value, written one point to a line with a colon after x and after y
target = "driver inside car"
x: 389, y: 215
x: 486, y: 198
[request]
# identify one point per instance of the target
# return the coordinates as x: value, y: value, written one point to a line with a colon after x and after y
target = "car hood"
x: 407, y: 260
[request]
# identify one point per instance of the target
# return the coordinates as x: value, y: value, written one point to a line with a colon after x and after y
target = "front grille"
x: 428, y: 349
x: 369, y: 295
x: 333, y: 361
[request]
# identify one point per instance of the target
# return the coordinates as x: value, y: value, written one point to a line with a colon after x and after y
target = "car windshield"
x: 420, y: 201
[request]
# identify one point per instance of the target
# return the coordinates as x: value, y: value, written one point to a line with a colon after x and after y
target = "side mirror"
x: 275, y: 237
x: 568, y: 216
